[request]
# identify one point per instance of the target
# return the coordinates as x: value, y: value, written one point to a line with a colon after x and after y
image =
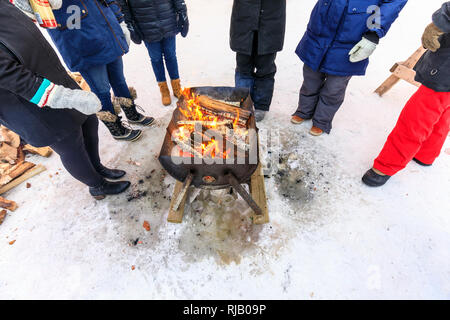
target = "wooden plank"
x: 406, y: 74
x: 15, y: 171
x: 8, y: 204
x: 258, y: 192
x: 387, y: 85
x: 176, y: 216
x: 394, y: 78
x: 43, y: 151
x: 27, y: 175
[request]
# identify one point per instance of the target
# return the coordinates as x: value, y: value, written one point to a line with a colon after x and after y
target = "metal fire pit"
x: 204, y: 175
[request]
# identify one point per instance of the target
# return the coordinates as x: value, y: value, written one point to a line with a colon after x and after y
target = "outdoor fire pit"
x: 212, y: 143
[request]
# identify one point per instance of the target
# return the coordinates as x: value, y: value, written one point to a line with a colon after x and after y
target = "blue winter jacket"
x: 98, y: 41
x: 336, y: 26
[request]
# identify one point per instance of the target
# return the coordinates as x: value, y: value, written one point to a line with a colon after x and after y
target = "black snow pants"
x: 321, y: 96
x: 257, y: 72
x: 79, y: 153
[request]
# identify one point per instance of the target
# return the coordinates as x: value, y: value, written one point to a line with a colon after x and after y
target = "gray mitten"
x: 63, y: 98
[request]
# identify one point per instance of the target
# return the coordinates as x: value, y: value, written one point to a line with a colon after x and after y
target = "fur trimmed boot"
x: 176, y: 88
x: 116, y: 128
x: 165, y: 93
x: 129, y: 107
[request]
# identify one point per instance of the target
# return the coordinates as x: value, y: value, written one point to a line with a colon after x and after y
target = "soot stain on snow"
x: 219, y: 225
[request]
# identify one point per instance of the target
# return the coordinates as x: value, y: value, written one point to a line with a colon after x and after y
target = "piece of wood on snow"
x: 43, y: 151
x: 3, y: 214
x: 399, y: 71
x: 9, y: 137
x: 258, y: 192
x: 16, y: 171
x: 176, y: 215
x: 8, y: 153
x: 27, y: 175
x: 8, y: 204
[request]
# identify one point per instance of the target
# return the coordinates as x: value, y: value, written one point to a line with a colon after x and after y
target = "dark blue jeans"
x: 104, y: 77
x: 164, y: 50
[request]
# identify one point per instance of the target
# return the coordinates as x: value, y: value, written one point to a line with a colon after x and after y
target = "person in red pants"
x: 424, y: 123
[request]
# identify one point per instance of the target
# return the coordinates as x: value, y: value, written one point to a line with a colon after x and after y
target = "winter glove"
x: 430, y: 38
x: 183, y: 23
x: 362, y: 50
x: 59, y: 97
x: 126, y: 32
x: 135, y: 34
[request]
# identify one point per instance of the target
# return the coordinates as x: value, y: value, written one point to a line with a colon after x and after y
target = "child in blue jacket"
x: 341, y: 36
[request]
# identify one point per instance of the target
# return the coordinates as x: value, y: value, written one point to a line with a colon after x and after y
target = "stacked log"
x: 14, y: 169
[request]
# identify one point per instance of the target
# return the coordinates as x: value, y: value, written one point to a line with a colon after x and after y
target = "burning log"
x: 204, y: 123
x: 227, y: 111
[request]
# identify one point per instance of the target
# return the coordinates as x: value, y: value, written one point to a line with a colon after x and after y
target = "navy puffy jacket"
x: 336, y: 26
x: 154, y: 19
x: 99, y: 41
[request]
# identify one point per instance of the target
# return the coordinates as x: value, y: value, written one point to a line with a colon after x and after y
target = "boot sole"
x: 141, y: 124
x: 315, y: 134
x: 99, y: 197
x: 295, y: 122
x: 130, y: 140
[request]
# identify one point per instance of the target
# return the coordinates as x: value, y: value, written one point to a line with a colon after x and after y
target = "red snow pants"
x: 420, y: 132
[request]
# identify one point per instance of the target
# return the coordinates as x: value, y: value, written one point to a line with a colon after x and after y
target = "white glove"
x: 55, y: 4
x: 126, y: 32
x: 63, y: 98
x: 362, y: 50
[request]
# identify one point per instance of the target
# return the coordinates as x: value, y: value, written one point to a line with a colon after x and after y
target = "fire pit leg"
x: 244, y: 194
x: 178, y: 200
x: 258, y: 192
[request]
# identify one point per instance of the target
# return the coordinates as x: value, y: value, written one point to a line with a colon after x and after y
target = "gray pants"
x: 321, y: 96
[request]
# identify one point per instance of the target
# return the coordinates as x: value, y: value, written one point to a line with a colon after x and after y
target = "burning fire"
x: 194, y: 117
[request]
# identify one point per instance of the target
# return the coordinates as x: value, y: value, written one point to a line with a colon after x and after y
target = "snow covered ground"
x: 329, y: 236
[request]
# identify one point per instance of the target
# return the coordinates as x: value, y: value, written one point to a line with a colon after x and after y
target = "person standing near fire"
x: 256, y: 35
x: 92, y: 38
x: 44, y: 105
x: 424, y: 123
x: 156, y: 23
x: 341, y: 36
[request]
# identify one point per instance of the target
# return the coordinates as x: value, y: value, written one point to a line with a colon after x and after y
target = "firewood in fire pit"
x: 225, y: 110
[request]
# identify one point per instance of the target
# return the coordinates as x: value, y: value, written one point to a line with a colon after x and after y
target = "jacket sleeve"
x: 20, y: 81
x: 116, y: 8
x: 180, y: 6
x: 389, y: 10
x: 126, y: 11
x: 441, y: 18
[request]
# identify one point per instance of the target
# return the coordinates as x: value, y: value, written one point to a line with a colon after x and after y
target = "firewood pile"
x: 14, y: 169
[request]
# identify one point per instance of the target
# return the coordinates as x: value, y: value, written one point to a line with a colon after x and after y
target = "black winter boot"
x: 117, y: 129
x: 373, y: 179
x: 130, y: 109
x: 109, y: 188
x: 111, y: 174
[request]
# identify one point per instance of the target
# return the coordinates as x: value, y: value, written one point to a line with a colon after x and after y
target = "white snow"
x: 339, y: 240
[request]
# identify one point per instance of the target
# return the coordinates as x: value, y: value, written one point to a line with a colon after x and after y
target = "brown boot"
x: 165, y: 93
x: 316, y: 131
x: 297, y: 120
x: 176, y: 88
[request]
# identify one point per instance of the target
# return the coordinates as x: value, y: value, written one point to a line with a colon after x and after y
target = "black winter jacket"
x: 433, y: 69
x: 267, y: 17
x: 26, y: 58
x: 153, y: 19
